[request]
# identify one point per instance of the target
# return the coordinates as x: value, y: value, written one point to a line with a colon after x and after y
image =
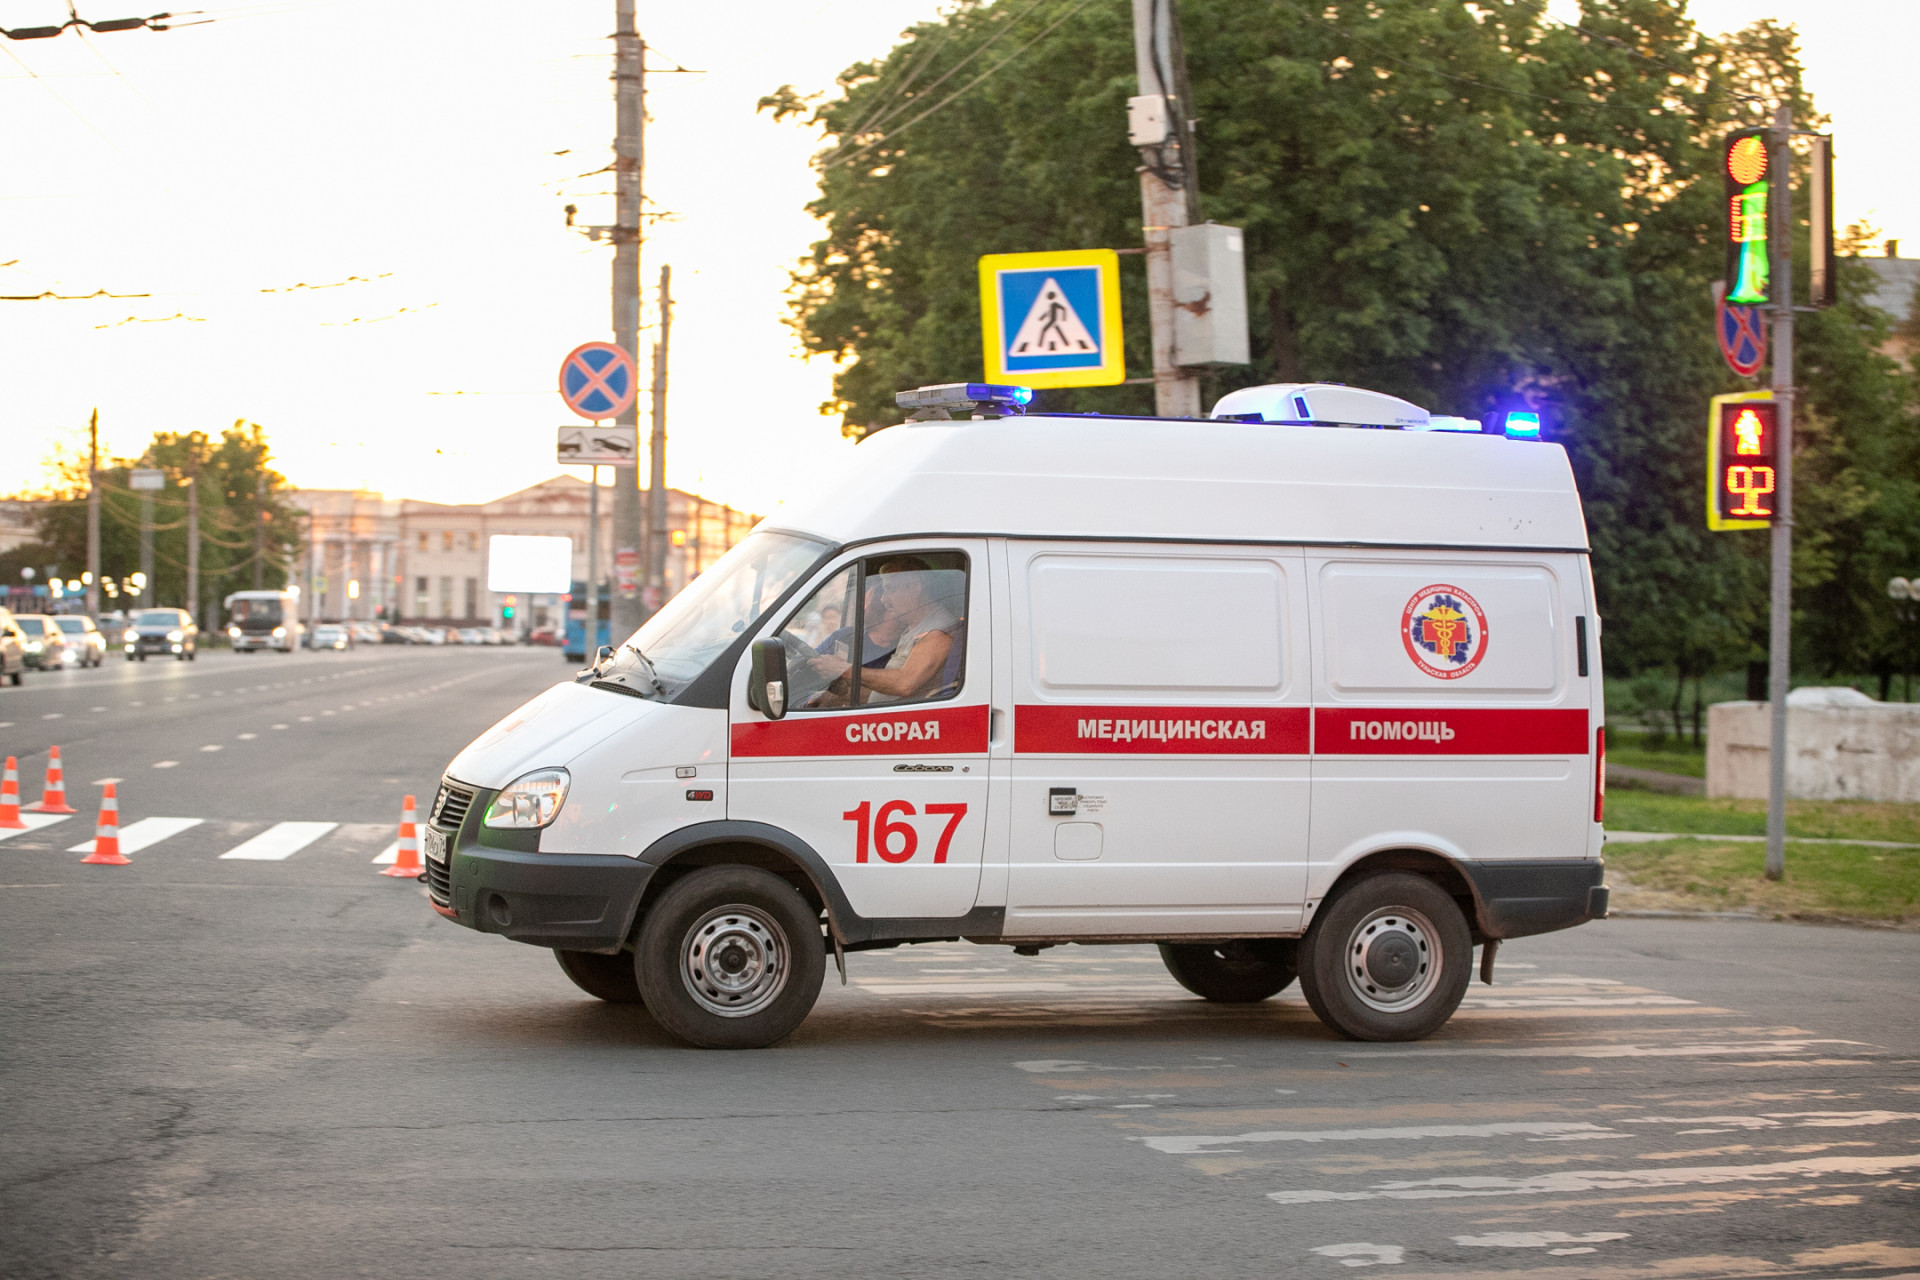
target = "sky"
x: 346, y: 217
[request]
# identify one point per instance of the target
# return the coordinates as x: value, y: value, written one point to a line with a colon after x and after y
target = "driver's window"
x: 890, y: 628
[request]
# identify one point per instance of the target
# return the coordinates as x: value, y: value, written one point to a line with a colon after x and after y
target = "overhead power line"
x: 155, y: 22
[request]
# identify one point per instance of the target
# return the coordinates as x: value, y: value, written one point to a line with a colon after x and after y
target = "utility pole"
x: 657, y: 452
x: 630, y: 109
x: 193, y: 544
x: 93, y: 514
x: 146, y: 548
x: 260, y: 528
x: 1160, y: 127
x: 592, y: 642
x: 1780, y: 638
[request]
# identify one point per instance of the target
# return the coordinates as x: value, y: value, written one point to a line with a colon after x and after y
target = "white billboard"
x: 529, y: 564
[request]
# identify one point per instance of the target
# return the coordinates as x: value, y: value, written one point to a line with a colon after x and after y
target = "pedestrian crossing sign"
x: 1053, y: 319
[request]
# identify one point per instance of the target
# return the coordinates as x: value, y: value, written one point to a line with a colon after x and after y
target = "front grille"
x: 440, y: 881
x: 450, y: 808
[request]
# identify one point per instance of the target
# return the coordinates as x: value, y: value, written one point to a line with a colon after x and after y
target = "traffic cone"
x: 106, y: 835
x: 10, y: 797
x: 406, y: 861
x: 53, y: 798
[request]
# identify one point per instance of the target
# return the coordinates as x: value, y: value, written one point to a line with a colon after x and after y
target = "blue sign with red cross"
x: 597, y: 380
x: 1743, y: 337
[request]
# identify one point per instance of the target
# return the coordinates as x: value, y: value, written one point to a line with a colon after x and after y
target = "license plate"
x: 434, y: 844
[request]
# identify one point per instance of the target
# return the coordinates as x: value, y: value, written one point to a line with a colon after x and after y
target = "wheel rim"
x: 1393, y: 960
x: 734, y: 961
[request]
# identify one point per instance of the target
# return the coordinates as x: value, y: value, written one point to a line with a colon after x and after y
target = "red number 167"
x: 879, y: 833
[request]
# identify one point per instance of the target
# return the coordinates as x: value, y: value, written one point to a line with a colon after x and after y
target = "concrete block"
x: 1839, y: 748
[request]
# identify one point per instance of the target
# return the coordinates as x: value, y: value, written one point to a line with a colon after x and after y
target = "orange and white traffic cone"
x: 406, y: 861
x: 10, y: 797
x: 53, y: 798
x: 106, y: 835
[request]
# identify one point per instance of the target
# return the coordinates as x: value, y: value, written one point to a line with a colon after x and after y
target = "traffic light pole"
x: 1780, y: 630
x: 630, y: 92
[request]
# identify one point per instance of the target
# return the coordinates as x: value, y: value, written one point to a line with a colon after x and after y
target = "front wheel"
x: 730, y: 958
x: 610, y: 978
x: 1389, y: 959
x: 1241, y: 972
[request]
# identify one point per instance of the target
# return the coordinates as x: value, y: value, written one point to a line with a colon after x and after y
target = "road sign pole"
x: 1779, y: 640
x: 1164, y: 205
x: 629, y: 155
x: 593, y: 557
x: 93, y: 515
x: 146, y: 548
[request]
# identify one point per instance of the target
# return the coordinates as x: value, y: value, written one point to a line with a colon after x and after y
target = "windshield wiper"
x: 652, y: 675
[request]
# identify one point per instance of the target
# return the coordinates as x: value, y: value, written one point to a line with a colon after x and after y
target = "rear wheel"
x: 610, y: 978
x: 1389, y: 959
x: 1239, y: 972
x: 730, y: 958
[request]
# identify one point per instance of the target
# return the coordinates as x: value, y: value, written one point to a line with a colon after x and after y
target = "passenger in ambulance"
x: 912, y: 632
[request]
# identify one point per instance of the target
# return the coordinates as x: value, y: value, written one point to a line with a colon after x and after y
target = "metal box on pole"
x: 1209, y: 295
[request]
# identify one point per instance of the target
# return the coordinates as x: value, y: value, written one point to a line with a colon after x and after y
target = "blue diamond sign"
x: 1053, y: 319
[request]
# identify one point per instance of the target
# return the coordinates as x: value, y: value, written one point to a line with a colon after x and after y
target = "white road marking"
x: 6, y: 724
x: 1540, y: 1240
x: 211, y: 746
x: 1200, y: 1144
x: 245, y: 737
x: 278, y: 726
x: 34, y: 822
x: 101, y: 782
x: 280, y: 841
x: 1363, y: 1255
x: 1572, y: 1181
x: 390, y: 854
x: 165, y: 764
x: 306, y: 718
x: 53, y: 715
x: 95, y: 710
x: 1613, y: 1050
x: 147, y: 831
x: 1779, y: 1119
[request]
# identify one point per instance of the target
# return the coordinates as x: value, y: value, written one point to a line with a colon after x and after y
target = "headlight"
x: 234, y: 632
x: 176, y: 636
x: 33, y: 646
x: 279, y: 633
x: 531, y: 800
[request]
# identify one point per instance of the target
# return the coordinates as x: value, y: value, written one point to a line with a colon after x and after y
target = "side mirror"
x: 767, y: 682
x: 601, y: 654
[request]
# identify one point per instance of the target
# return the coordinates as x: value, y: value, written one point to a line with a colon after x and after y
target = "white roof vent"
x: 1328, y: 404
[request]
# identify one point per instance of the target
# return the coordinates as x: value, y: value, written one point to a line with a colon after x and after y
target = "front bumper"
x: 1519, y: 899
x: 158, y: 644
x: 499, y: 882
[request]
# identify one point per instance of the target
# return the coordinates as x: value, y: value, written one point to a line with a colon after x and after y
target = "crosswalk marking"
x: 143, y: 833
x: 388, y: 855
x: 280, y: 841
x: 34, y: 822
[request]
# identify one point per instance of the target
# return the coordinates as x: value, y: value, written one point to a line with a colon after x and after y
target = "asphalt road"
x: 247, y: 1067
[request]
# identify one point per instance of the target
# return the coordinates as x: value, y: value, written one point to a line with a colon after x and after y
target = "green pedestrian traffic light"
x: 1744, y: 165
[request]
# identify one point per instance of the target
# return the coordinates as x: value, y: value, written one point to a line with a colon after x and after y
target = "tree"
x: 228, y: 472
x: 1470, y: 206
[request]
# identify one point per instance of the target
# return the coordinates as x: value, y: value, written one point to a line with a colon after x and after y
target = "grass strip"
x: 1823, y: 881
x: 1635, y: 810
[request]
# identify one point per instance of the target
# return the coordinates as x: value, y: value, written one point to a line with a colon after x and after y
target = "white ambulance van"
x: 1308, y: 689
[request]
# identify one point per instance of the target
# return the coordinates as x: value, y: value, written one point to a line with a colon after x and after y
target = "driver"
x: 910, y: 639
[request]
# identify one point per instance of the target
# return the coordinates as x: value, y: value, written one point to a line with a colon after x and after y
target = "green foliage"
x: 1634, y: 810
x: 1822, y: 882
x: 1466, y: 205
x: 227, y: 471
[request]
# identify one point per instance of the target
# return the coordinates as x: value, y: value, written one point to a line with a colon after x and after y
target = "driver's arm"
x: 921, y: 669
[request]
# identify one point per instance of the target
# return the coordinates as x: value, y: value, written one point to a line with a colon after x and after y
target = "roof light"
x: 1523, y: 426
x: 1447, y: 422
x: 925, y: 403
x: 1324, y: 404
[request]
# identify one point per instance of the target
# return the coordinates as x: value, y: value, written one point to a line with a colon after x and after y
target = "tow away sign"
x: 1052, y: 319
x: 597, y: 446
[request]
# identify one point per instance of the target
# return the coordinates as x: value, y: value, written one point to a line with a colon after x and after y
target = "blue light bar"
x: 936, y: 400
x: 1523, y: 426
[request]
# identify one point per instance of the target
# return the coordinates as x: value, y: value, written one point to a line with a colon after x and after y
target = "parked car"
x: 13, y: 647
x: 393, y: 635
x: 162, y: 631
x: 86, y: 647
x: 45, y: 644
x: 364, y: 632
x: 331, y: 635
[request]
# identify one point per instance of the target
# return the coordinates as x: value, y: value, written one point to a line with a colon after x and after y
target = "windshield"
x: 75, y: 625
x: 33, y: 626
x: 696, y: 626
x: 266, y: 612
x: 157, y: 618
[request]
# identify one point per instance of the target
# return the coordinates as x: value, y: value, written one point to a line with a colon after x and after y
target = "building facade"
x: 427, y: 562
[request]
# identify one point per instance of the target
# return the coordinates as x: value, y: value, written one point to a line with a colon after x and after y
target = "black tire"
x: 13, y: 677
x: 1386, y: 927
x: 1240, y: 972
x: 707, y: 922
x: 608, y: 978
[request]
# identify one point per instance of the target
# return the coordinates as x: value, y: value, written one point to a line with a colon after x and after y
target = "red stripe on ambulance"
x: 1209, y: 731
x: 923, y: 731
x: 1428, y: 731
